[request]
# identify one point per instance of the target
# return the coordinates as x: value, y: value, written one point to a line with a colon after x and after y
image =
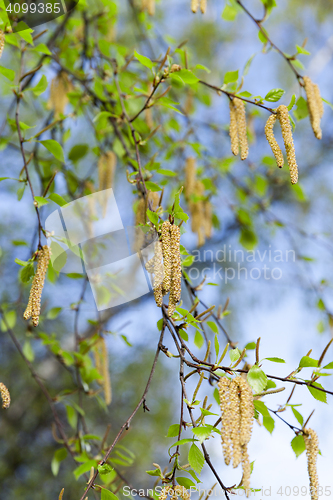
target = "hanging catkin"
x: 151, y: 7
x: 272, y: 141
x: 190, y: 177
x: 283, y: 116
x: 237, y: 413
x: 2, y: 42
x: 241, y: 127
x: 176, y: 269
x: 58, y: 100
x: 208, y: 218
x: 315, y: 105
x: 158, y: 274
x: 182, y: 492
x: 233, y: 132
x: 140, y: 215
x: 33, y: 307
x: 194, y: 5
x: 312, y: 448
x: 106, y: 169
x: 203, y: 6
x: 164, y: 493
x: 166, y: 250
x: 5, y: 396
x: 102, y: 366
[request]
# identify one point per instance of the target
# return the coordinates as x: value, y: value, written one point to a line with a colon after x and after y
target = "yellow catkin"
x: 140, y: 215
x: 190, y: 177
x: 166, y: 250
x: 223, y: 385
x: 164, y: 493
x: 203, y: 6
x: 153, y: 200
x: 58, y: 100
x: 182, y: 492
x: 312, y: 448
x: 149, y: 118
x: 5, y: 396
x: 2, y: 42
x: 33, y: 307
x: 246, y: 467
x: 158, y: 274
x: 313, y: 105
x: 241, y: 127
x: 106, y: 169
x: 283, y: 116
x: 176, y: 270
x: 318, y: 99
x: 194, y: 5
x: 272, y: 141
x: 208, y: 217
x: 235, y: 416
x: 233, y: 132
x: 151, y: 7
x: 106, y: 373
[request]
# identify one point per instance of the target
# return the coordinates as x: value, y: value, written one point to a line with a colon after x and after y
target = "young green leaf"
x: 196, y: 458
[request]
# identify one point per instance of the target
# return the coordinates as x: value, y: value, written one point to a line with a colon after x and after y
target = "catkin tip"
x: 5, y: 396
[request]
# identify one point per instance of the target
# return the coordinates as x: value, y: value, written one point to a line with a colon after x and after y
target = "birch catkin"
x: 203, y: 6
x: 2, y: 42
x: 151, y: 7
x: 33, y: 307
x: 60, y: 86
x: 233, y: 132
x: 315, y: 105
x: 190, y: 177
x: 106, y: 169
x: 272, y: 141
x: 283, y: 116
x: 241, y: 127
x: 158, y: 274
x: 176, y: 269
x: 5, y: 396
x: 312, y: 448
x: 166, y: 250
x: 223, y: 385
x: 194, y: 5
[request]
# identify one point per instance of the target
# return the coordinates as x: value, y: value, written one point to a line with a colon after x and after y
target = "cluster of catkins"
x: 58, y: 100
x: 166, y: 266
x: 237, y: 413
x: 33, y: 307
x: 195, y: 5
x: 200, y: 210
x: 5, y: 396
x: 312, y: 448
x: 174, y: 492
x: 282, y: 114
x: 237, y: 132
x: 102, y: 366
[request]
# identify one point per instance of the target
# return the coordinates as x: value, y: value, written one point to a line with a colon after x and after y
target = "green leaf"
x: 319, y: 395
x: 108, y: 495
x: 217, y: 346
x: 58, y: 457
x: 261, y: 408
x: 202, y: 433
x: 153, y: 217
x: 306, y: 361
x: 274, y: 95
x: 145, y: 61
x: 276, y: 360
x: 40, y: 87
x: 155, y: 472
x: 186, y: 482
x: 10, y: 317
x: 54, y: 312
x: 152, y: 186
x: 301, y: 109
x: 196, y: 458
x: 41, y: 201
x: 250, y: 345
x: 85, y: 467
x: 298, y: 445
x: 213, y: 325
x: 7, y: 73
x: 173, y: 430
x: 257, y: 379
x: 187, y: 76
x: 77, y: 152
x: 26, y: 35
x: 198, y: 339
x: 57, y: 199
x: 292, y: 102
x: 298, y: 416
x: 230, y: 76
x: 329, y: 366
x: 104, y: 469
x: 54, y: 148
x: 301, y: 50
x: 229, y: 13
x: 71, y: 416
x: 234, y: 354
x: 43, y: 49
x: 268, y: 423
x: 28, y: 351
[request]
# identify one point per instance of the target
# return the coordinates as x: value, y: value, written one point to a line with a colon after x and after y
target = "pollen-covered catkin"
x: 235, y: 416
x: 140, y: 215
x: 158, y: 274
x: 246, y: 467
x: 166, y: 250
x: 2, y: 42
x: 60, y: 86
x: 164, y: 493
x: 314, y: 106
x: 312, y: 448
x: 194, y: 5
x: 318, y: 99
x: 106, y: 373
x: 106, y: 169
x: 5, y: 396
x: 176, y: 269
x: 223, y: 385
x: 233, y: 132
x: 283, y: 116
x: 190, y: 177
x: 153, y: 200
x: 272, y: 141
x: 151, y: 7
x: 203, y: 6
x: 33, y: 307
x: 182, y: 492
x: 241, y: 127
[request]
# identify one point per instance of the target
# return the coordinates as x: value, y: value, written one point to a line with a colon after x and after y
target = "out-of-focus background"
x: 289, y: 309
